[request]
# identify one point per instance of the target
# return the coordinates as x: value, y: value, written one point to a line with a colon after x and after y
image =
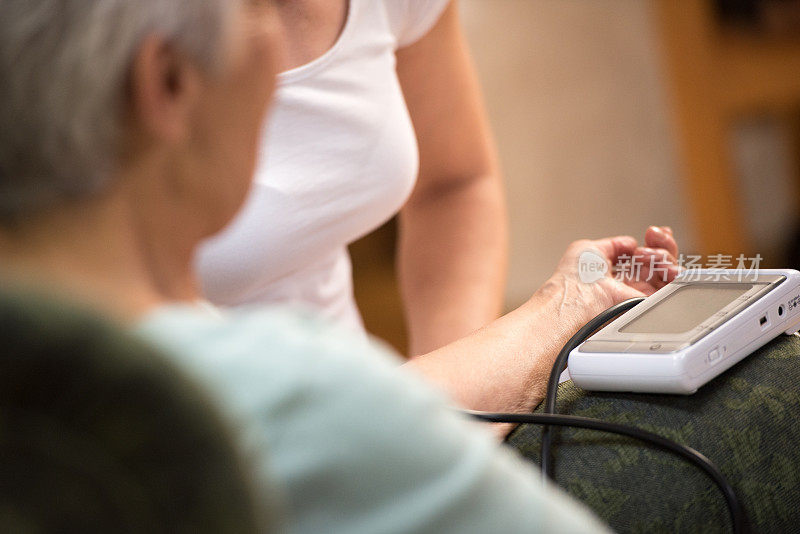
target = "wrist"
x: 571, y: 302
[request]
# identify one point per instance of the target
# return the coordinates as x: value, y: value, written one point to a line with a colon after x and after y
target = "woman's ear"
x: 164, y: 91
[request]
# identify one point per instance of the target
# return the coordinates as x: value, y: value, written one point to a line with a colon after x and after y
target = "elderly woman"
x: 130, y: 133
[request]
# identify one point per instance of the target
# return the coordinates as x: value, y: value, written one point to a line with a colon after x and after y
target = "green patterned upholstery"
x: 747, y: 421
x: 99, y: 434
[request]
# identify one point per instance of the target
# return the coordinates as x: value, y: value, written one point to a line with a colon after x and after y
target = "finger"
x: 615, y: 247
x: 649, y: 280
x: 673, y: 271
x: 655, y: 255
x: 653, y: 266
x: 660, y: 276
x: 656, y: 237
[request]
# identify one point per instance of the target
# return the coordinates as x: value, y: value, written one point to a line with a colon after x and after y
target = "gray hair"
x: 64, y: 67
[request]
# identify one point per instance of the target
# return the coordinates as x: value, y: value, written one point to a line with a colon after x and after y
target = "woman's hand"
x: 596, y: 274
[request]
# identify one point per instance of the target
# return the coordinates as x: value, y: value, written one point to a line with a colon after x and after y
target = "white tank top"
x: 338, y: 160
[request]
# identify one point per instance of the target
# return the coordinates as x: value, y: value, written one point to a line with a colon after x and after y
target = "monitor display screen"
x: 686, y: 308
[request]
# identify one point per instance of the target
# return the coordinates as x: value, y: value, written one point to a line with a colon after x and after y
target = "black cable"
x: 561, y: 364
x: 549, y: 417
x: 738, y: 517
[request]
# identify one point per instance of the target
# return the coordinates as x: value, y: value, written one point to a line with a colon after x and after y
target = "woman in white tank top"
x: 378, y: 110
x: 341, y: 157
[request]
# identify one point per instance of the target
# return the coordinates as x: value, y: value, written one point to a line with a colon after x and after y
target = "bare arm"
x: 453, y: 247
x: 505, y: 365
x: 453, y: 242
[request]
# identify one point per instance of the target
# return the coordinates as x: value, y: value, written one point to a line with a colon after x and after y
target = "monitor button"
x: 656, y: 347
x: 714, y: 355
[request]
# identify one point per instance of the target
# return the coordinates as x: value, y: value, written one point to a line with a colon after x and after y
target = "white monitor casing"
x: 614, y: 359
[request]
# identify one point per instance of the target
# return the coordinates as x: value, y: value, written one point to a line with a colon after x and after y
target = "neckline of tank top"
x: 307, y: 69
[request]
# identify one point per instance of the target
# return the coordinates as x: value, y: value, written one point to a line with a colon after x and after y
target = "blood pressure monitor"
x: 689, y: 331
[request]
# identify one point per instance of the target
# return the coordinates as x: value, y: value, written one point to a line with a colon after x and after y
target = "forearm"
x: 452, y: 261
x: 505, y: 365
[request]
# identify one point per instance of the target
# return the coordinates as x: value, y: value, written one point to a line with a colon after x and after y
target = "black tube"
x: 738, y: 516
